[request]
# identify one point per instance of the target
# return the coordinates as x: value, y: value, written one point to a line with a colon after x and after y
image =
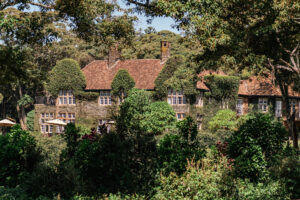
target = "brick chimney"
x: 113, y: 55
x: 165, y: 50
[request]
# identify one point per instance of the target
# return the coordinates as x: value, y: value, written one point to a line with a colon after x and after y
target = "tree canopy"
x: 66, y: 75
x: 122, y: 84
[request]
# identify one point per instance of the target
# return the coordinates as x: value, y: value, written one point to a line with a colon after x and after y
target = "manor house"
x: 257, y: 91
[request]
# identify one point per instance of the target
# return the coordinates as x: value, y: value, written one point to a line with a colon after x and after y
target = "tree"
x: 122, y: 84
x: 1, y: 98
x: 159, y: 117
x: 161, y: 89
x: 258, y: 36
x: 66, y: 75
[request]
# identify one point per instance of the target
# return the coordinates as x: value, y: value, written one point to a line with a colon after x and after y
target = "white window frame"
x: 105, y: 98
x: 66, y: 97
x: 180, y: 116
x: 263, y: 104
x: 240, y: 106
x: 67, y: 117
x: 278, y: 108
x: 44, y: 127
x: 176, y: 97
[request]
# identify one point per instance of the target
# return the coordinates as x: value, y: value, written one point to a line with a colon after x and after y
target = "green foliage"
x: 269, y: 190
x: 71, y: 136
x: 30, y: 120
x: 66, y: 75
x: 224, y: 119
x: 161, y: 89
x: 159, y: 117
x: 87, y: 96
x: 256, y: 142
x: 147, y: 46
x: 184, y: 79
x: 25, y: 100
x: 205, y: 183
x: 222, y: 87
x: 122, y: 84
x: 175, y: 149
x: 132, y: 110
x: 18, y: 156
x: 287, y: 170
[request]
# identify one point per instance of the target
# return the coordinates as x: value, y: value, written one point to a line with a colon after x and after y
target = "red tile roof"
x: 262, y: 86
x: 144, y: 72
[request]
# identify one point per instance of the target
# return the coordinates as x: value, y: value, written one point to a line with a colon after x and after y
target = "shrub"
x: 175, y: 149
x: 159, y: 117
x: 66, y: 75
x: 260, y: 138
x: 122, y: 84
x: 223, y: 120
x: 18, y: 156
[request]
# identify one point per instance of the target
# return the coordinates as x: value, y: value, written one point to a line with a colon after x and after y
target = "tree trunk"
x: 21, y: 112
x: 290, y: 117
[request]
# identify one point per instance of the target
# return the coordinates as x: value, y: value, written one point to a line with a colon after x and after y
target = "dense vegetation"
x: 137, y: 161
x: 150, y: 155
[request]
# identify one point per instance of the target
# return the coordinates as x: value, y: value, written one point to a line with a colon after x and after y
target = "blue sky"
x: 159, y: 23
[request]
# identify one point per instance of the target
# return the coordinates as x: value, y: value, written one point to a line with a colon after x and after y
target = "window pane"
x: 70, y: 100
x: 184, y: 100
x: 74, y: 100
x: 105, y: 100
x: 170, y: 100
x: 179, y: 100
x: 65, y: 100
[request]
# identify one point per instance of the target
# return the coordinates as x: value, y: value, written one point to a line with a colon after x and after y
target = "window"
x: 224, y: 104
x: 199, y: 99
x: 263, y: 104
x: 176, y: 97
x: 278, y: 108
x: 66, y: 97
x: 293, y: 105
x: 44, y: 127
x: 239, y: 107
x: 199, y: 125
x: 67, y: 117
x: 180, y: 116
x: 105, y: 98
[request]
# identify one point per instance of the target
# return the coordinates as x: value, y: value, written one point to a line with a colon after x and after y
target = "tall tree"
x: 258, y: 35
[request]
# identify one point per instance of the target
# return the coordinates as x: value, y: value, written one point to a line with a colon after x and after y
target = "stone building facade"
x: 258, y: 93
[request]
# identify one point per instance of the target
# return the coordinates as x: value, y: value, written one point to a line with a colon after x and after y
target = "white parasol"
x: 7, y: 123
x: 56, y: 122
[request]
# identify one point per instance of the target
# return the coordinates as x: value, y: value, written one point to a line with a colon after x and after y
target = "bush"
x: 269, y: 190
x: 175, y: 149
x: 205, y: 183
x: 260, y: 138
x: 223, y: 120
x: 18, y: 156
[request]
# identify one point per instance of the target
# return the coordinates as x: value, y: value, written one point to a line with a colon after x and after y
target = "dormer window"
x: 66, y: 97
x: 176, y: 97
